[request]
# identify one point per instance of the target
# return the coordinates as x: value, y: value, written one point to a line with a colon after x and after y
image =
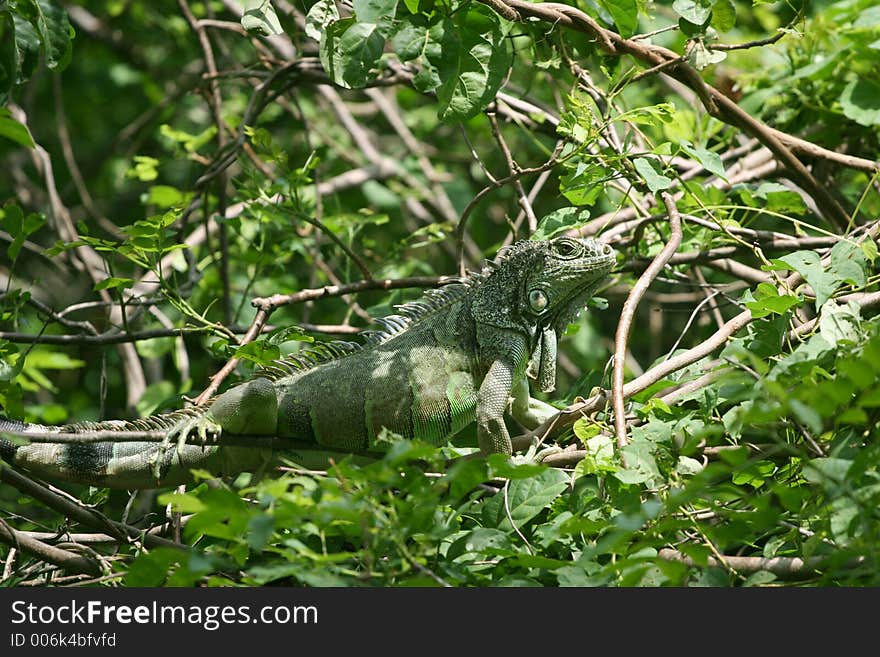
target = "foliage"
x: 326, y: 143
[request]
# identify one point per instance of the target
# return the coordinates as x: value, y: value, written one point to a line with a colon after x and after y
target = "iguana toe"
x: 203, y: 424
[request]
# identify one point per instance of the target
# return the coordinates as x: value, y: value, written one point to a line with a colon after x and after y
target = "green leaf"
x: 377, y: 12
x: 55, y: 32
x: 840, y: 323
x: 480, y: 541
x: 869, y: 19
x: 710, y: 161
x: 821, y: 470
x: 145, y: 168
x: 12, y: 129
x: 9, y: 353
x: 8, y: 56
x: 14, y: 222
x: 560, y: 220
x: 625, y: 14
x: 723, y: 15
x: 694, y: 11
x: 688, y: 466
x: 165, y: 196
x: 290, y: 333
x: 806, y: 415
x: 869, y: 250
x: 820, y: 67
x: 525, y: 499
x: 584, y: 429
x: 779, y: 198
x: 112, y: 283
x: 261, y: 352
x: 640, y: 464
x: 702, y: 57
x: 599, y: 458
x: 649, y: 114
x: 190, y: 143
x: 501, y: 466
x: 860, y: 101
x: 423, y: 44
x: 759, y: 578
x: 27, y: 48
x: 849, y: 264
x: 182, y: 502
x: 808, y: 265
x: 582, y: 184
x: 351, y: 51
x: 260, y: 528
x: 473, y: 66
x: 152, y: 568
x: 260, y: 17
x: 154, y: 396
x: 573, y: 576
x: 754, y: 474
x: 767, y: 300
x: 654, y: 179
x: 271, y: 572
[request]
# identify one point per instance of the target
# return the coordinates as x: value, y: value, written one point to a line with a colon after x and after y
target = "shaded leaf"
x: 320, y: 16
x: 525, y: 499
x: 473, y: 66
x: 260, y: 17
x: 377, y: 12
x: 860, y: 101
x: 625, y: 14
x: 351, y: 51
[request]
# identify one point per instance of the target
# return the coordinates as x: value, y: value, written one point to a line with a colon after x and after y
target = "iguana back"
x: 419, y: 378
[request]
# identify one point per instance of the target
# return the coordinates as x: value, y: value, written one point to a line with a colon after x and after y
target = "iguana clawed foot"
x: 203, y: 425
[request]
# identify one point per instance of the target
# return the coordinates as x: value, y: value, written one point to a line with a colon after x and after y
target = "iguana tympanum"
x: 462, y: 353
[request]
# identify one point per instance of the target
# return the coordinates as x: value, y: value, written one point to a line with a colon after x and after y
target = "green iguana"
x: 462, y: 353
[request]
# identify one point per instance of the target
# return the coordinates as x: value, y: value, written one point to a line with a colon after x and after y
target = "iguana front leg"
x: 248, y: 408
x: 492, y: 398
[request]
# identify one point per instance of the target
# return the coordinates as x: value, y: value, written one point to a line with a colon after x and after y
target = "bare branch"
x: 628, y: 313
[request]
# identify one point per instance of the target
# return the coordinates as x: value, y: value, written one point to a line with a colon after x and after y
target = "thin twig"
x: 85, y: 516
x: 64, y: 559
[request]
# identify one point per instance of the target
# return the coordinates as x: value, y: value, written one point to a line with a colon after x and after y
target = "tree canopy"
x: 189, y: 190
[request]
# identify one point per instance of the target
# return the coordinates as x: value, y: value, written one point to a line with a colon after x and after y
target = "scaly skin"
x: 461, y: 354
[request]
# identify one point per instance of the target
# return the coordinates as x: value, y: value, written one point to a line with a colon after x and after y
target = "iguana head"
x: 566, y: 272
x: 537, y: 288
x: 542, y: 284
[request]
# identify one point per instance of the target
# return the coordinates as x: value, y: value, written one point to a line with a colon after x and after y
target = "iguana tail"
x: 7, y: 449
x: 119, y: 464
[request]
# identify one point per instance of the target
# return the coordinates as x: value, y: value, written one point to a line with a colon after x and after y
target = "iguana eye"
x: 538, y: 300
x: 566, y: 248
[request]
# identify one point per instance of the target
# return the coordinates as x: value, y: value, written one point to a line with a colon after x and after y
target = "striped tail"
x: 7, y: 449
x: 120, y: 464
